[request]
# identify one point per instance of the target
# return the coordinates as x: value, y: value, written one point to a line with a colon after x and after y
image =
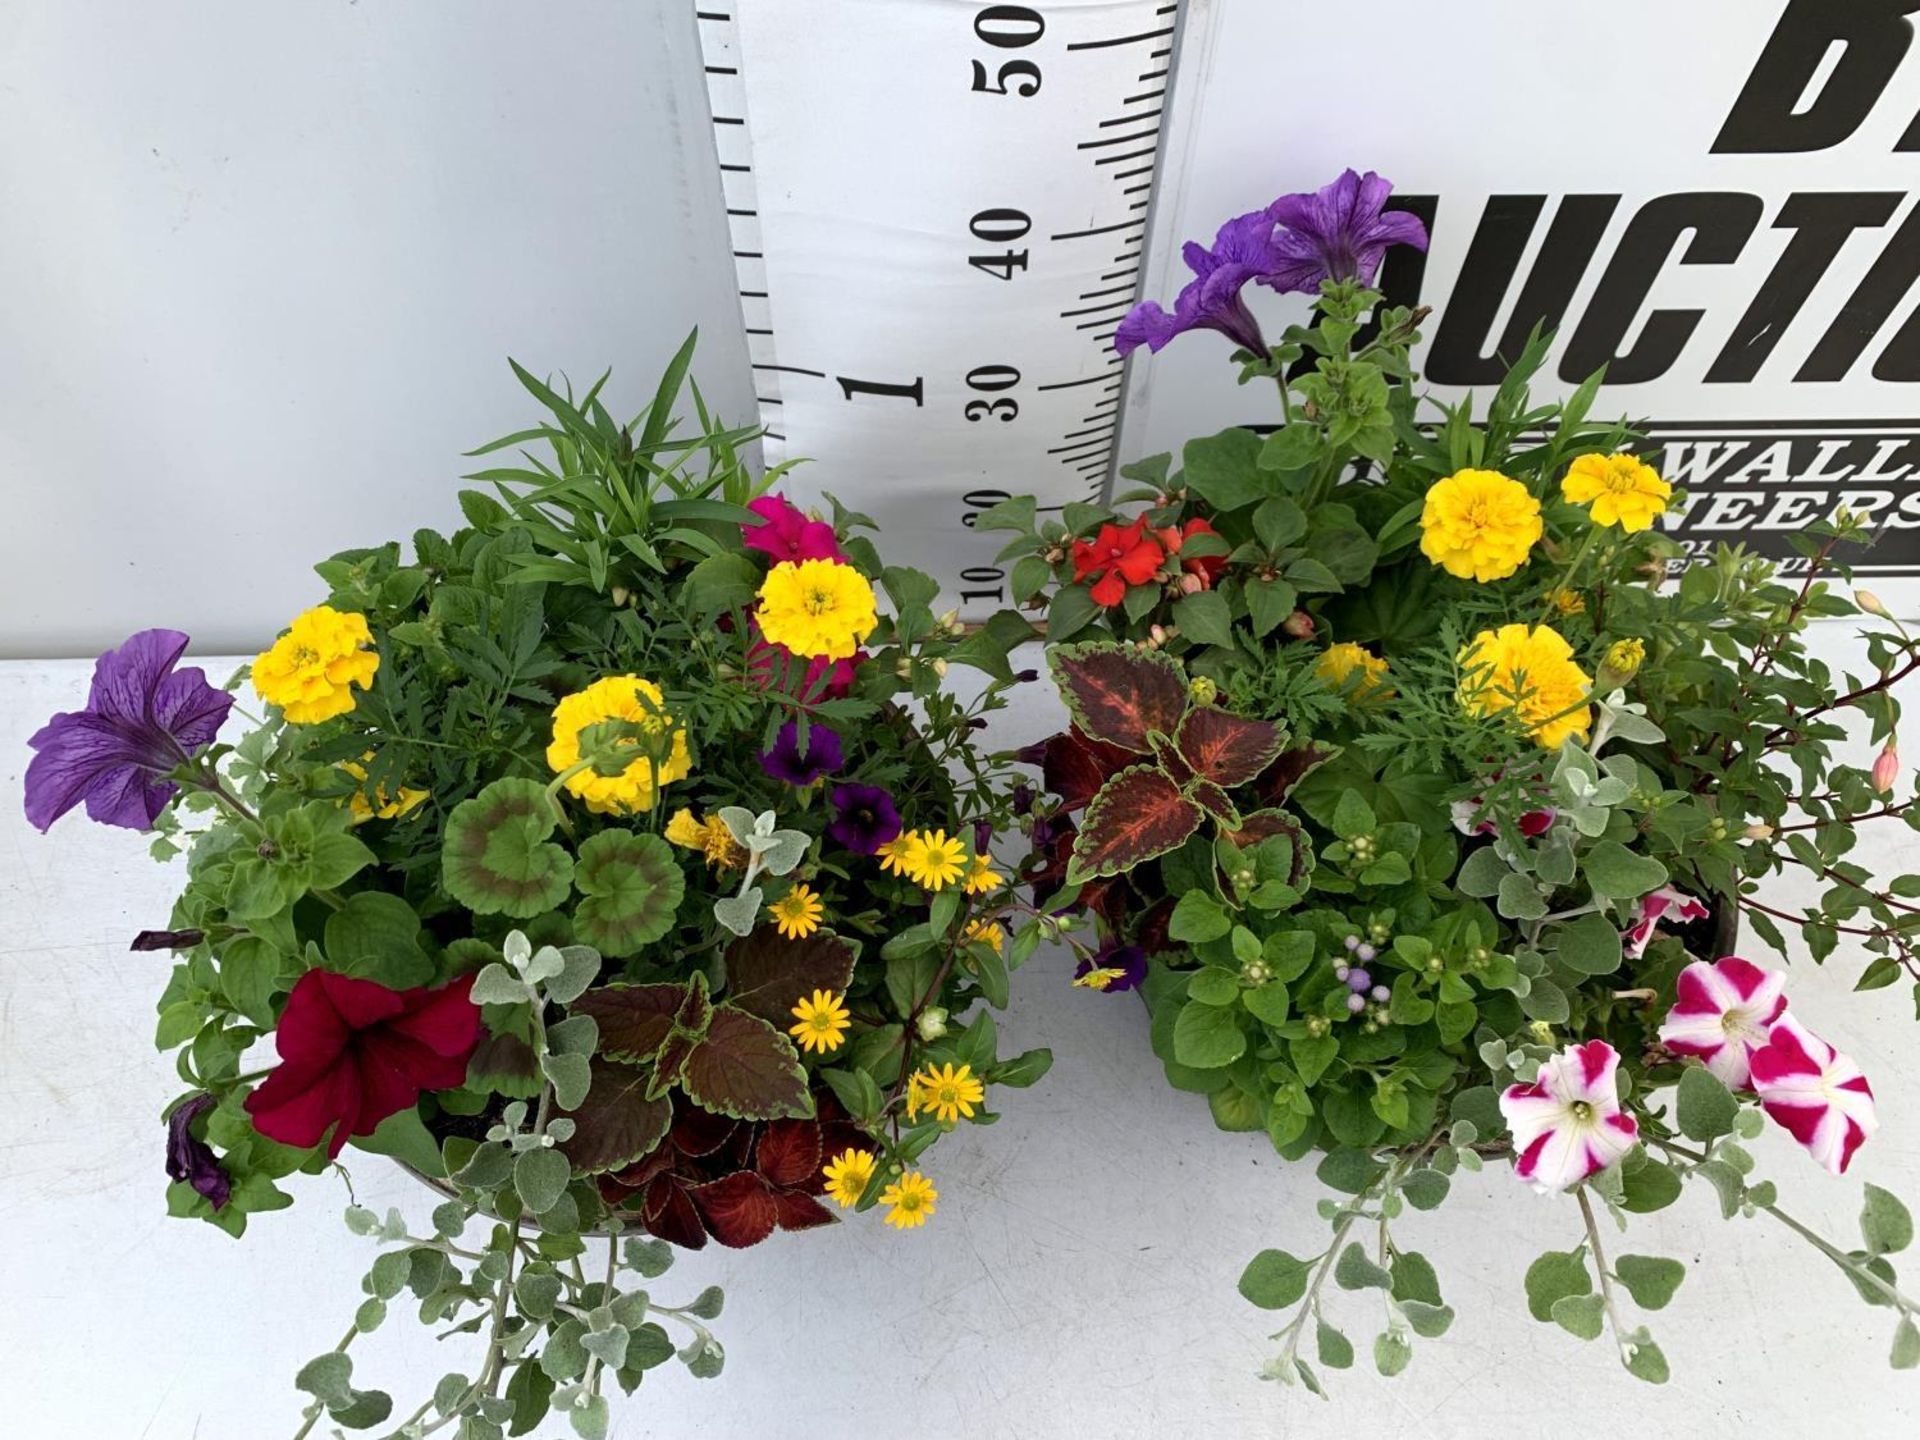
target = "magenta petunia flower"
x: 1664, y: 906
x: 787, y: 761
x: 1468, y: 819
x: 143, y: 719
x: 1243, y: 251
x: 864, y: 818
x: 785, y: 532
x: 1339, y: 232
x: 1567, y: 1125
x: 1817, y: 1093
x: 1725, y: 1012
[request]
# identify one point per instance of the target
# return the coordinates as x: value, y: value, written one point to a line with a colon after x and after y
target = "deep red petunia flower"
x: 1119, y: 556
x: 1207, y: 567
x: 354, y: 1052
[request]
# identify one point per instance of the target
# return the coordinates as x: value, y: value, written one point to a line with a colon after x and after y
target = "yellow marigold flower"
x: 685, y: 831
x: 934, y: 862
x: 818, y: 608
x: 911, y: 1198
x: 1621, y: 662
x: 982, y: 878
x: 1347, y: 663
x: 382, y: 806
x: 1531, y: 672
x: 709, y: 836
x: 899, y: 854
x: 310, y: 671
x: 797, y: 913
x: 1479, y: 524
x: 848, y: 1175
x: 949, y: 1093
x: 987, y: 932
x: 1624, y: 490
x: 823, y: 1022
x: 1567, y: 602
x: 629, y: 698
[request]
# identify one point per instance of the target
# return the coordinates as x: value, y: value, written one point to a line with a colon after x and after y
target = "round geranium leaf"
x: 496, y: 858
x: 632, y: 886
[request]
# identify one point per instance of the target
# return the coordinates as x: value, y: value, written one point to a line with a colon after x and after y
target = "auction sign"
x: 1714, y: 199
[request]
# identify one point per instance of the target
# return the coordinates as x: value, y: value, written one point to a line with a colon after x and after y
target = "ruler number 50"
x: 1008, y: 27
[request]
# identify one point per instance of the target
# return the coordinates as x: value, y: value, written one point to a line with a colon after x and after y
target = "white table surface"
x: 1078, y: 1280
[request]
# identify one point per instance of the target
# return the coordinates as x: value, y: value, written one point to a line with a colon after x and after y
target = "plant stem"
x: 319, y: 1409
x: 1606, y: 1280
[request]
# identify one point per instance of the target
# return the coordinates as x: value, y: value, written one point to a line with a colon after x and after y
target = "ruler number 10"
x: 1008, y: 27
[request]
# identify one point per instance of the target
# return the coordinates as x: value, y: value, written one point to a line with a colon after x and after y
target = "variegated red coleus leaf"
x: 1129, y: 703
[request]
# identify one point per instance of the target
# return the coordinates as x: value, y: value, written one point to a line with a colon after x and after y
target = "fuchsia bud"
x: 1871, y: 603
x: 1299, y: 625
x: 1886, y: 769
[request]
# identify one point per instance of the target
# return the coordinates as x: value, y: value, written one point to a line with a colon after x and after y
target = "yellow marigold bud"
x: 1621, y: 663
x: 1567, y: 602
x: 1347, y: 666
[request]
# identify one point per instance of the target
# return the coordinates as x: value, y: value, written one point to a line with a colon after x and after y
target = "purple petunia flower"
x: 193, y: 1160
x: 785, y: 761
x: 142, y: 719
x: 1130, y: 961
x: 1242, y: 251
x: 864, y: 818
x: 1339, y: 232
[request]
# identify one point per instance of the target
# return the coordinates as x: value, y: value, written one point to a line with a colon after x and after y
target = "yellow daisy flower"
x: 1531, y: 672
x: 817, y: 608
x: 934, y: 861
x: 848, y: 1175
x: 986, y: 931
x: 1479, y: 525
x: 949, y: 1093
x: 382, y: 806
x: 823, y: 1021
x: 310, y: 671
x: 1347, y: 665
x: 897, y: 855
x: 638, y: 702
x: 797, y: 913
x: 1622, y: 489
x: 1099, y: 978
x: 912, y: 1199
x: 982, y: 878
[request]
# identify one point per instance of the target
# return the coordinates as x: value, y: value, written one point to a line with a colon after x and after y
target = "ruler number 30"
x: 1008, y: 27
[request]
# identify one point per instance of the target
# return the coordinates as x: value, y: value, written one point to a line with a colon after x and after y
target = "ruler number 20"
x: 1008, y: 27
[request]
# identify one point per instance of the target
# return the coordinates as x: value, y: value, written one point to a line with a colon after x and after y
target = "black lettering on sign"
x: 1718, y: 223
x: 850, y: 388
x: 1774, y: 115
x: 1866, y: 310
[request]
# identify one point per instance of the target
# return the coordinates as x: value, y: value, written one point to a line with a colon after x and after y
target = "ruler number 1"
x: 1008, y: 27
x: 1000, y: 227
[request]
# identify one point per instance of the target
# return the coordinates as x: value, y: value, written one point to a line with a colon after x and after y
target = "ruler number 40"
x: 1008, y: 27
x: 1000, y: 227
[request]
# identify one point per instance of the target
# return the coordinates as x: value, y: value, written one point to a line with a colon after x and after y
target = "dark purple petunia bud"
x: 193, y: 1160
x: 864, y: 818
x: 1023, y: 798
x: 786, y: 761
x: 1026, y: 677
x: 167, y: 940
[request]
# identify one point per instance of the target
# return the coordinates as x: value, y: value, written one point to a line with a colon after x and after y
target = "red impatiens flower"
x: 1119, y: 556
x: 1206, y: 567
x: 354, y: 1052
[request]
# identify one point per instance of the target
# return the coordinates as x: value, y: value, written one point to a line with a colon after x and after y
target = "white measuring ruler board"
x: 939, y: 214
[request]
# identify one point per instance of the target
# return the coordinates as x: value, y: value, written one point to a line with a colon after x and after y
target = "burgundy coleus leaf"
x: 1211, y: 798
x: 1228, y: 749
x: 1293, y: 766
x: 797, y: 1211
x: 618, y: 1123
x: 699, y: 1132
x: 767, y: 975
x: 738, y: 1209
x: 788, y: 1154
x: 695, y: 1008
x: 634, y: 1020
x: 1075, y: 767
x: 1139, y: 814
x: 745, y: 1068
x: 669, y: 1213
x: 1167, y: 752
x: 1118, y: 694
x: 1263, y: 825
x: 670, y: 1062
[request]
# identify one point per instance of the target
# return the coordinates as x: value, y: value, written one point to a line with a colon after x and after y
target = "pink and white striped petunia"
x: 1725, y: 1012
x: 1665, y: 904
x: 1816, y: 1092
x: 1567, y: 1124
